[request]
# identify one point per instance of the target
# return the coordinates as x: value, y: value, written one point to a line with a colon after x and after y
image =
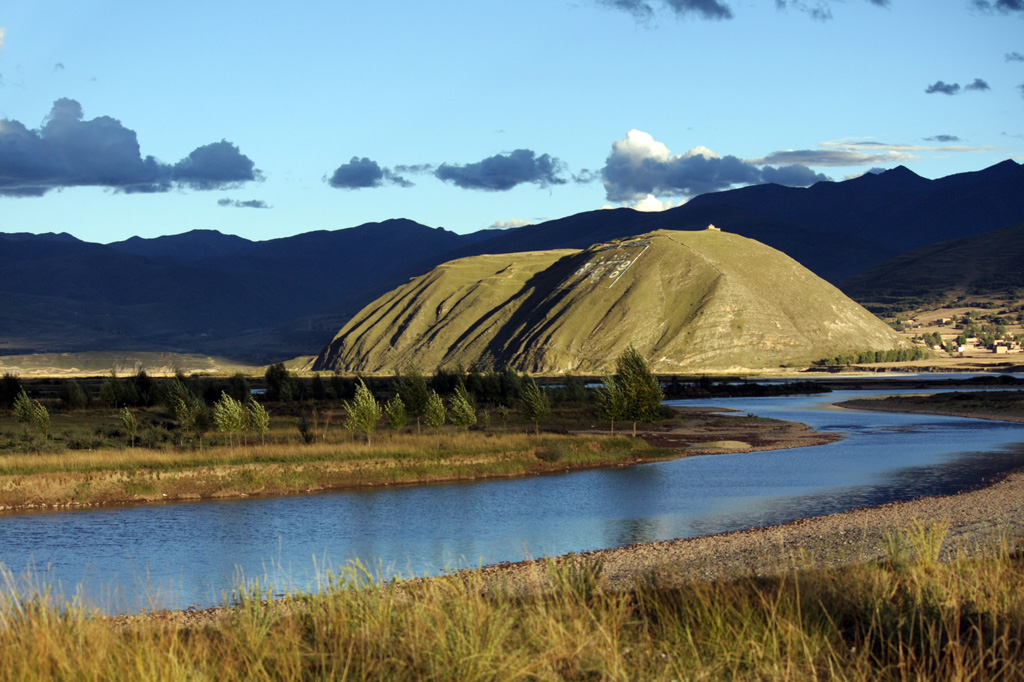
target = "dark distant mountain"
x: 261, y: 301
x: 189, y: 246
x: 203, y: 291
x: 897, y: 210
x: 989, y: 264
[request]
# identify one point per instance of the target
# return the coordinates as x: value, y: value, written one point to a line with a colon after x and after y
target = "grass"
x: 112, y: 476
x: 906, y: 619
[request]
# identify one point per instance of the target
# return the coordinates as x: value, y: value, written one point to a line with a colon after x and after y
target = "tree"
x: 609, y: 399
x: 363, y: 412
x: 412, y: 389
x: 31, y: 412
x: 279, y: 383
x: 534, y: 402
x: 394, y: 410
x: 41, y: 418
x: 112, y: 392
x: 257, y: 420
x: 434, y: 414
x: 189, y: 409
x: 229, y: 416
x: 130, y: 424
x: 23, y: 409
x: 73, y: 395
x: 641, y: 390
x: 463, y: 414
x: 10, y: 387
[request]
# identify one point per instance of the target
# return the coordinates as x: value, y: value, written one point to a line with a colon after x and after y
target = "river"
x: 177, y: 555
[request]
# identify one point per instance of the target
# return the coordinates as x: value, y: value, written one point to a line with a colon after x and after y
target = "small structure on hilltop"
x: 715, y: 229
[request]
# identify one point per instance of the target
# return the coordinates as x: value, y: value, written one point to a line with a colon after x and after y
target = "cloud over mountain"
x: 502, y: 172
x: 639, y: 166
x: 69, y: 151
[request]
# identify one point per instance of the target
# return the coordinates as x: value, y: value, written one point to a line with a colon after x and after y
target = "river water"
x: 177, y: 555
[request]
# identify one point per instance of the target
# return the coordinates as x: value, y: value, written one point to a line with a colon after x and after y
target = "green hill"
x: 989, y: 264
x: 689, y: 301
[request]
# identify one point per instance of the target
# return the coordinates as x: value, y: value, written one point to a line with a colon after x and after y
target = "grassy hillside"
x: 690, y: 301
x: 990, y: 264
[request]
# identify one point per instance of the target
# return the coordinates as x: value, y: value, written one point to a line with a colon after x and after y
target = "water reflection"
x: 193, y: 553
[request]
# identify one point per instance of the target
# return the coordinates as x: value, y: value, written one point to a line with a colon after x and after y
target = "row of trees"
x: 632, y: 394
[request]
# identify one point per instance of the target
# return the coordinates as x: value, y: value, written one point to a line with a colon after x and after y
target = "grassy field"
x: 907, y: 617
x: 134, y: 475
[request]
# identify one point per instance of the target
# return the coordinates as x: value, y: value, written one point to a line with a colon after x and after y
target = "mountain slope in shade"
x: 689, y: 301
x: 990, y: 264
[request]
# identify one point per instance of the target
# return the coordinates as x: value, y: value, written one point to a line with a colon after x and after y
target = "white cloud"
x: 511, y: 223
x: 638, y: 145
x: 652, y: 204
x: 3, y: 34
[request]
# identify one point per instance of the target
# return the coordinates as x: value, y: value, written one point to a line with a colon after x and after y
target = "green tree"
x: 412, y: 389
x: 609, y: 399
x: 363, y: 412
x: 41, y: 418
x: 279, y: 383
x: 23, y: 409
x: 257, y: 420
x: 533, y: 402
x: 641, y: 390
x: 434, y: 414
x: 394, y: 410
x: 111, y: 391
x: 229, y: 416
x: 72, y: 395
x: 189, y: 409
x: 463, y: 414
x: 130, y: 424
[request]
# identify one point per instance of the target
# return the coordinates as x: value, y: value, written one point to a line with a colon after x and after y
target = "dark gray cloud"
x: 1021, y: 88
x: 235, y: 203
x: 641, y: 9
x: 218, y: 165
x: 943, y: 88
x: 69, y: 151
x: 639, y: 166
x: 943, y: 138
x: 977, y: 85
x: 502, y: 172
x: 795, y: 175
x: 1015, y: 57
x: 1004, y: 6
x: 832, y: 157
x: 820, y: 11
x: 363, y: 173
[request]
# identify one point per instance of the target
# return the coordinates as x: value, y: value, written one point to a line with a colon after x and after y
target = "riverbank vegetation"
x: 1001, y: 405
x: 139, y: 439
x: 907, y: 616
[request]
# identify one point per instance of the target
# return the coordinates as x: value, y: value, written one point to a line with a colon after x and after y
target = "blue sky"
x: 257, y: 119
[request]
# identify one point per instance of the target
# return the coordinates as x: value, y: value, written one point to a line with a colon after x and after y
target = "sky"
x: 265, y: 120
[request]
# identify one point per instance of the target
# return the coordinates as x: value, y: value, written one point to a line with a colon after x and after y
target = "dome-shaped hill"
x: 689, y: 301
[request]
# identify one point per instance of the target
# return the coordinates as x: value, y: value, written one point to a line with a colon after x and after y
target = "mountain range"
x: 260, y: 301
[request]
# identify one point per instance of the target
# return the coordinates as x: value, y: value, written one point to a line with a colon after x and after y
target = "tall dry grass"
x: 905, y: 619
